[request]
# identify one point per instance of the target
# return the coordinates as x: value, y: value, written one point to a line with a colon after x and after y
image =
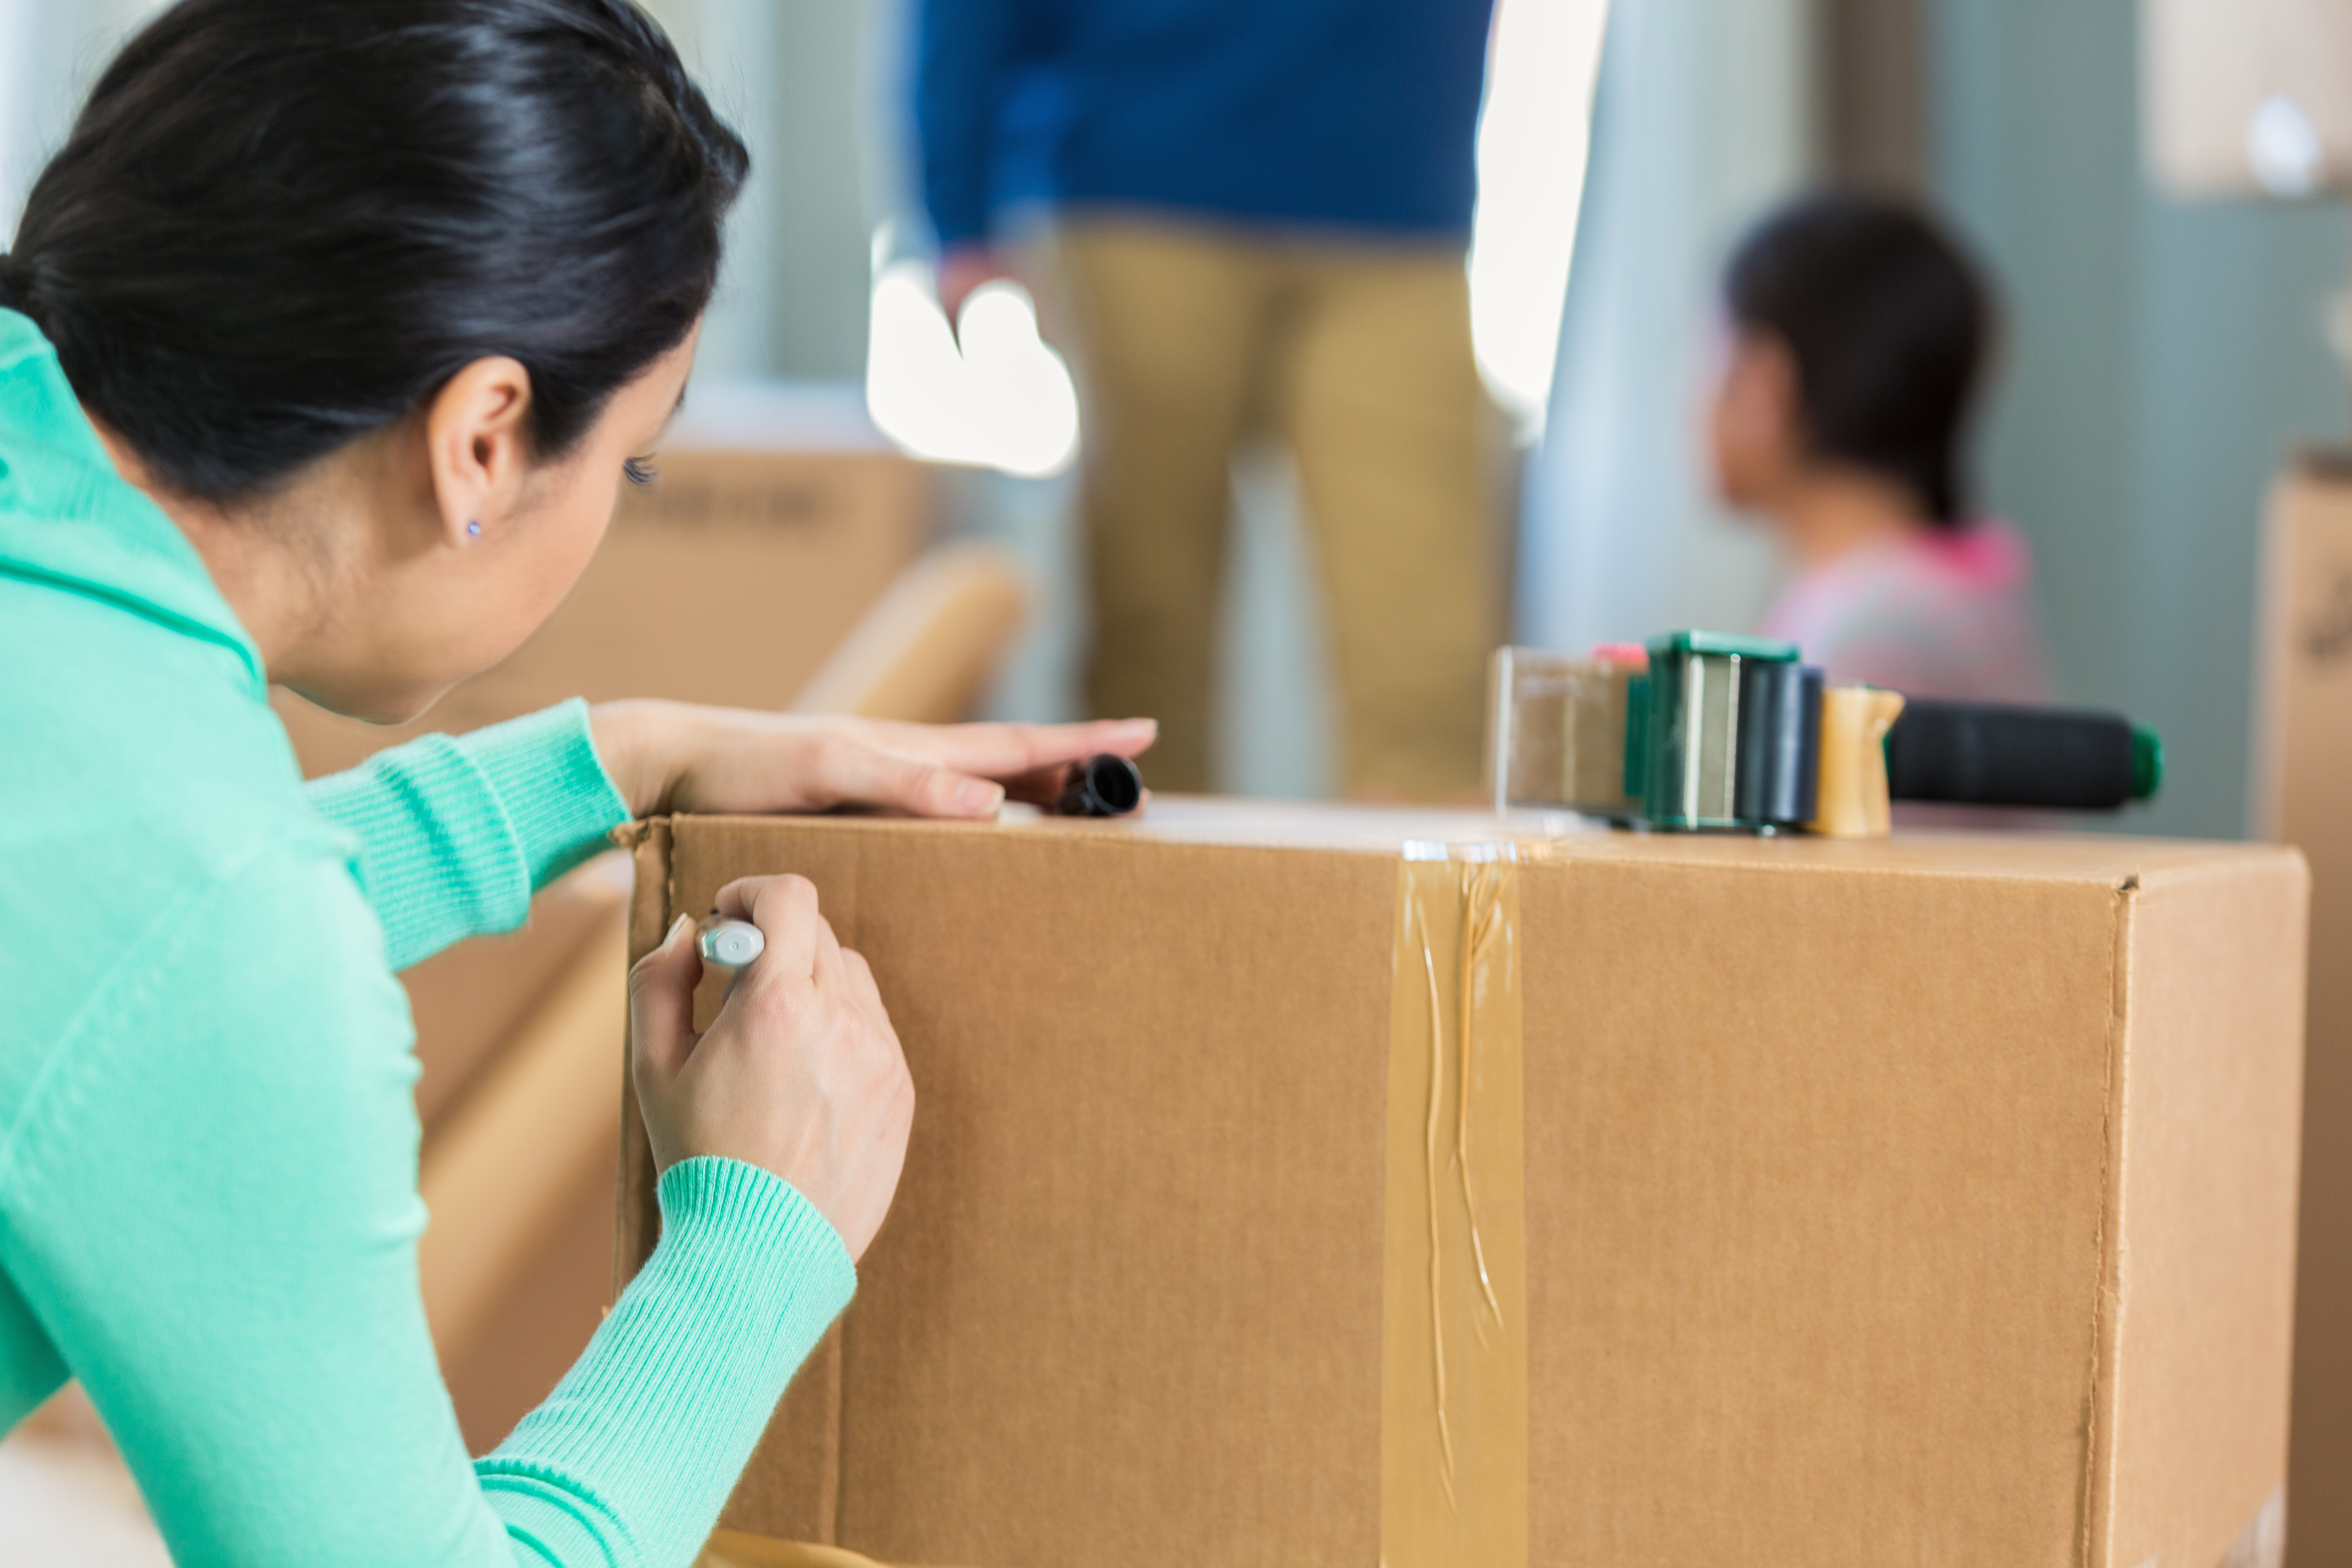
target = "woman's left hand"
x: 675, y: 756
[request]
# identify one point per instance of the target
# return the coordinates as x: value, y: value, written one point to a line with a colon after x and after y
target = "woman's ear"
x: 478, y: 444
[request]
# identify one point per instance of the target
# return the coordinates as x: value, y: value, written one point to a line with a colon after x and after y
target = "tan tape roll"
x: 1852, y: 802
x: 1454, y: 1382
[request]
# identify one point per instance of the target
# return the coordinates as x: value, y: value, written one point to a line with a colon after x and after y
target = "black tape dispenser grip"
x: 1983, y: 754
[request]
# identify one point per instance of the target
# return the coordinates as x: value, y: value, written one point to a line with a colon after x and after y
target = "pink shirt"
x: 1927, y: 614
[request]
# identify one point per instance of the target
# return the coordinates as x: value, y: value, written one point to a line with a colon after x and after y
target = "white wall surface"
x: 1702, y: 119
x: 49, y: 51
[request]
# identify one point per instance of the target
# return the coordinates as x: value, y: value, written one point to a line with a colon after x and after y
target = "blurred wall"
x: 49, y: 50
x: 791, y: 77
x: 2161, y: 358
x: 1704, y: 113
x: 1870, y: 62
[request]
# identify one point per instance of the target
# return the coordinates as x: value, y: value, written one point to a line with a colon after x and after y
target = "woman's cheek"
x: 581, y: 518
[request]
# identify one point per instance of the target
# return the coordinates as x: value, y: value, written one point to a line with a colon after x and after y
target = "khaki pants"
x: 1188, y: 339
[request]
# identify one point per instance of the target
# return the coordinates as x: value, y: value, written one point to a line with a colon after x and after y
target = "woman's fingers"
x: 825, y: 967
x: 860, y: 975
x: 857, y: 979
x: 800, y: 1073
x: 1009, y: 751
x: 964, y: 770
x: 661, y: 1004
x: 784, y: 908
x: 853, y: 771
x: 727, y: 759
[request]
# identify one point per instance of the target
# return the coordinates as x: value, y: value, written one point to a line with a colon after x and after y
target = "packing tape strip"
x: 1454, y: 1374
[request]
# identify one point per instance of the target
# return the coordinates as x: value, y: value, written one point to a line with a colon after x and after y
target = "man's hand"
x: 963, y: 269
x: 673, y: 756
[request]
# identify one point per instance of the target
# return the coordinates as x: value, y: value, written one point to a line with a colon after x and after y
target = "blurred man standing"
x: 1260, y: 211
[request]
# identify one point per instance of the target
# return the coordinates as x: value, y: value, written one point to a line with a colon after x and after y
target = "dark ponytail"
x: 1889, y: 325
x: 280, y: 224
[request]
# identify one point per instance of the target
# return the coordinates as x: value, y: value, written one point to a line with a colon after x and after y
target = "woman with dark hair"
x: 325, y: 344
x: 1857, y: 334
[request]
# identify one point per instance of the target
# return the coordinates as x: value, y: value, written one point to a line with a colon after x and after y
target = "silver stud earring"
x: 473, y: 528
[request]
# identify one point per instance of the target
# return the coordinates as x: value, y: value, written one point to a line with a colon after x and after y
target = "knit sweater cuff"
x: 456, y: 835
x: 661, y: 1413
x: 557, y: 797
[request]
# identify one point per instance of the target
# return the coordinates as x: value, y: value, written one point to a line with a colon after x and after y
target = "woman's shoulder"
x: 144, y: 748
x: 1946, y: 614
x: 153, y: 830
x: 1989, y: 556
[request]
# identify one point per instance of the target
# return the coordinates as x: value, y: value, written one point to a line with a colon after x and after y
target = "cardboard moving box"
x: 1927, y: 1201
x: 2303, y: 797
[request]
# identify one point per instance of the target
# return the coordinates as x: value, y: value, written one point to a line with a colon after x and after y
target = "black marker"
x: 1107, y: 785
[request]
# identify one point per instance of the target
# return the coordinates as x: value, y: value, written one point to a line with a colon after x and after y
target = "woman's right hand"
x: 801, y: 1074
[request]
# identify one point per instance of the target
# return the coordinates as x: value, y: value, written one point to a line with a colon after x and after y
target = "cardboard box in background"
x: 1929, y: 1201
x: 2210, y: 69
x: 2303, y: 795
x: 729, y: 580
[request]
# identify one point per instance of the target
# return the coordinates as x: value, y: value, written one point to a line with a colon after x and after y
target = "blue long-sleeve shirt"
x: 1347, y: 114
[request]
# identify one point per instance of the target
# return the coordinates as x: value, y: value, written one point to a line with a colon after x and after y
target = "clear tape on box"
x: 1556, y: 731
x: 1453, y: 1379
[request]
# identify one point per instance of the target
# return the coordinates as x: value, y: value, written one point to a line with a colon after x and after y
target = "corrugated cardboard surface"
x: 469, y: 999
x: 2207, y: 1270
x: 1917, y: 1202
x: 1453, y: 1320
x: 559, y: 1299
x: 1826, y: 1157
x: 2304, y: 797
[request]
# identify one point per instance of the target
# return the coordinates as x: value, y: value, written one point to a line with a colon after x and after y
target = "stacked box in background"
x: 2303, y: 795
x: 1927, y: 1201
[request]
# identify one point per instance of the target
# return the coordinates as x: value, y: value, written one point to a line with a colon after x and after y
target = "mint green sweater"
x: 208, y: 1143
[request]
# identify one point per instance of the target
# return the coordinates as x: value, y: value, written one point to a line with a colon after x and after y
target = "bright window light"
x: 990, y: 395
x: 1533, y: 135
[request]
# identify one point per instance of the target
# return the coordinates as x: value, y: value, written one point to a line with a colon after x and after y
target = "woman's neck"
x: 279, y: 600
x: 1829, y: 513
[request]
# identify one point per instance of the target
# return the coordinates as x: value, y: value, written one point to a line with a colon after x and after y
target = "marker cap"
x: 732, y: 943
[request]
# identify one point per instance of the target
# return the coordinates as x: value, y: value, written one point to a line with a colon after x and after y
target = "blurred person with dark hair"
x: 1261, y: 210
x: 1857, y: 336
